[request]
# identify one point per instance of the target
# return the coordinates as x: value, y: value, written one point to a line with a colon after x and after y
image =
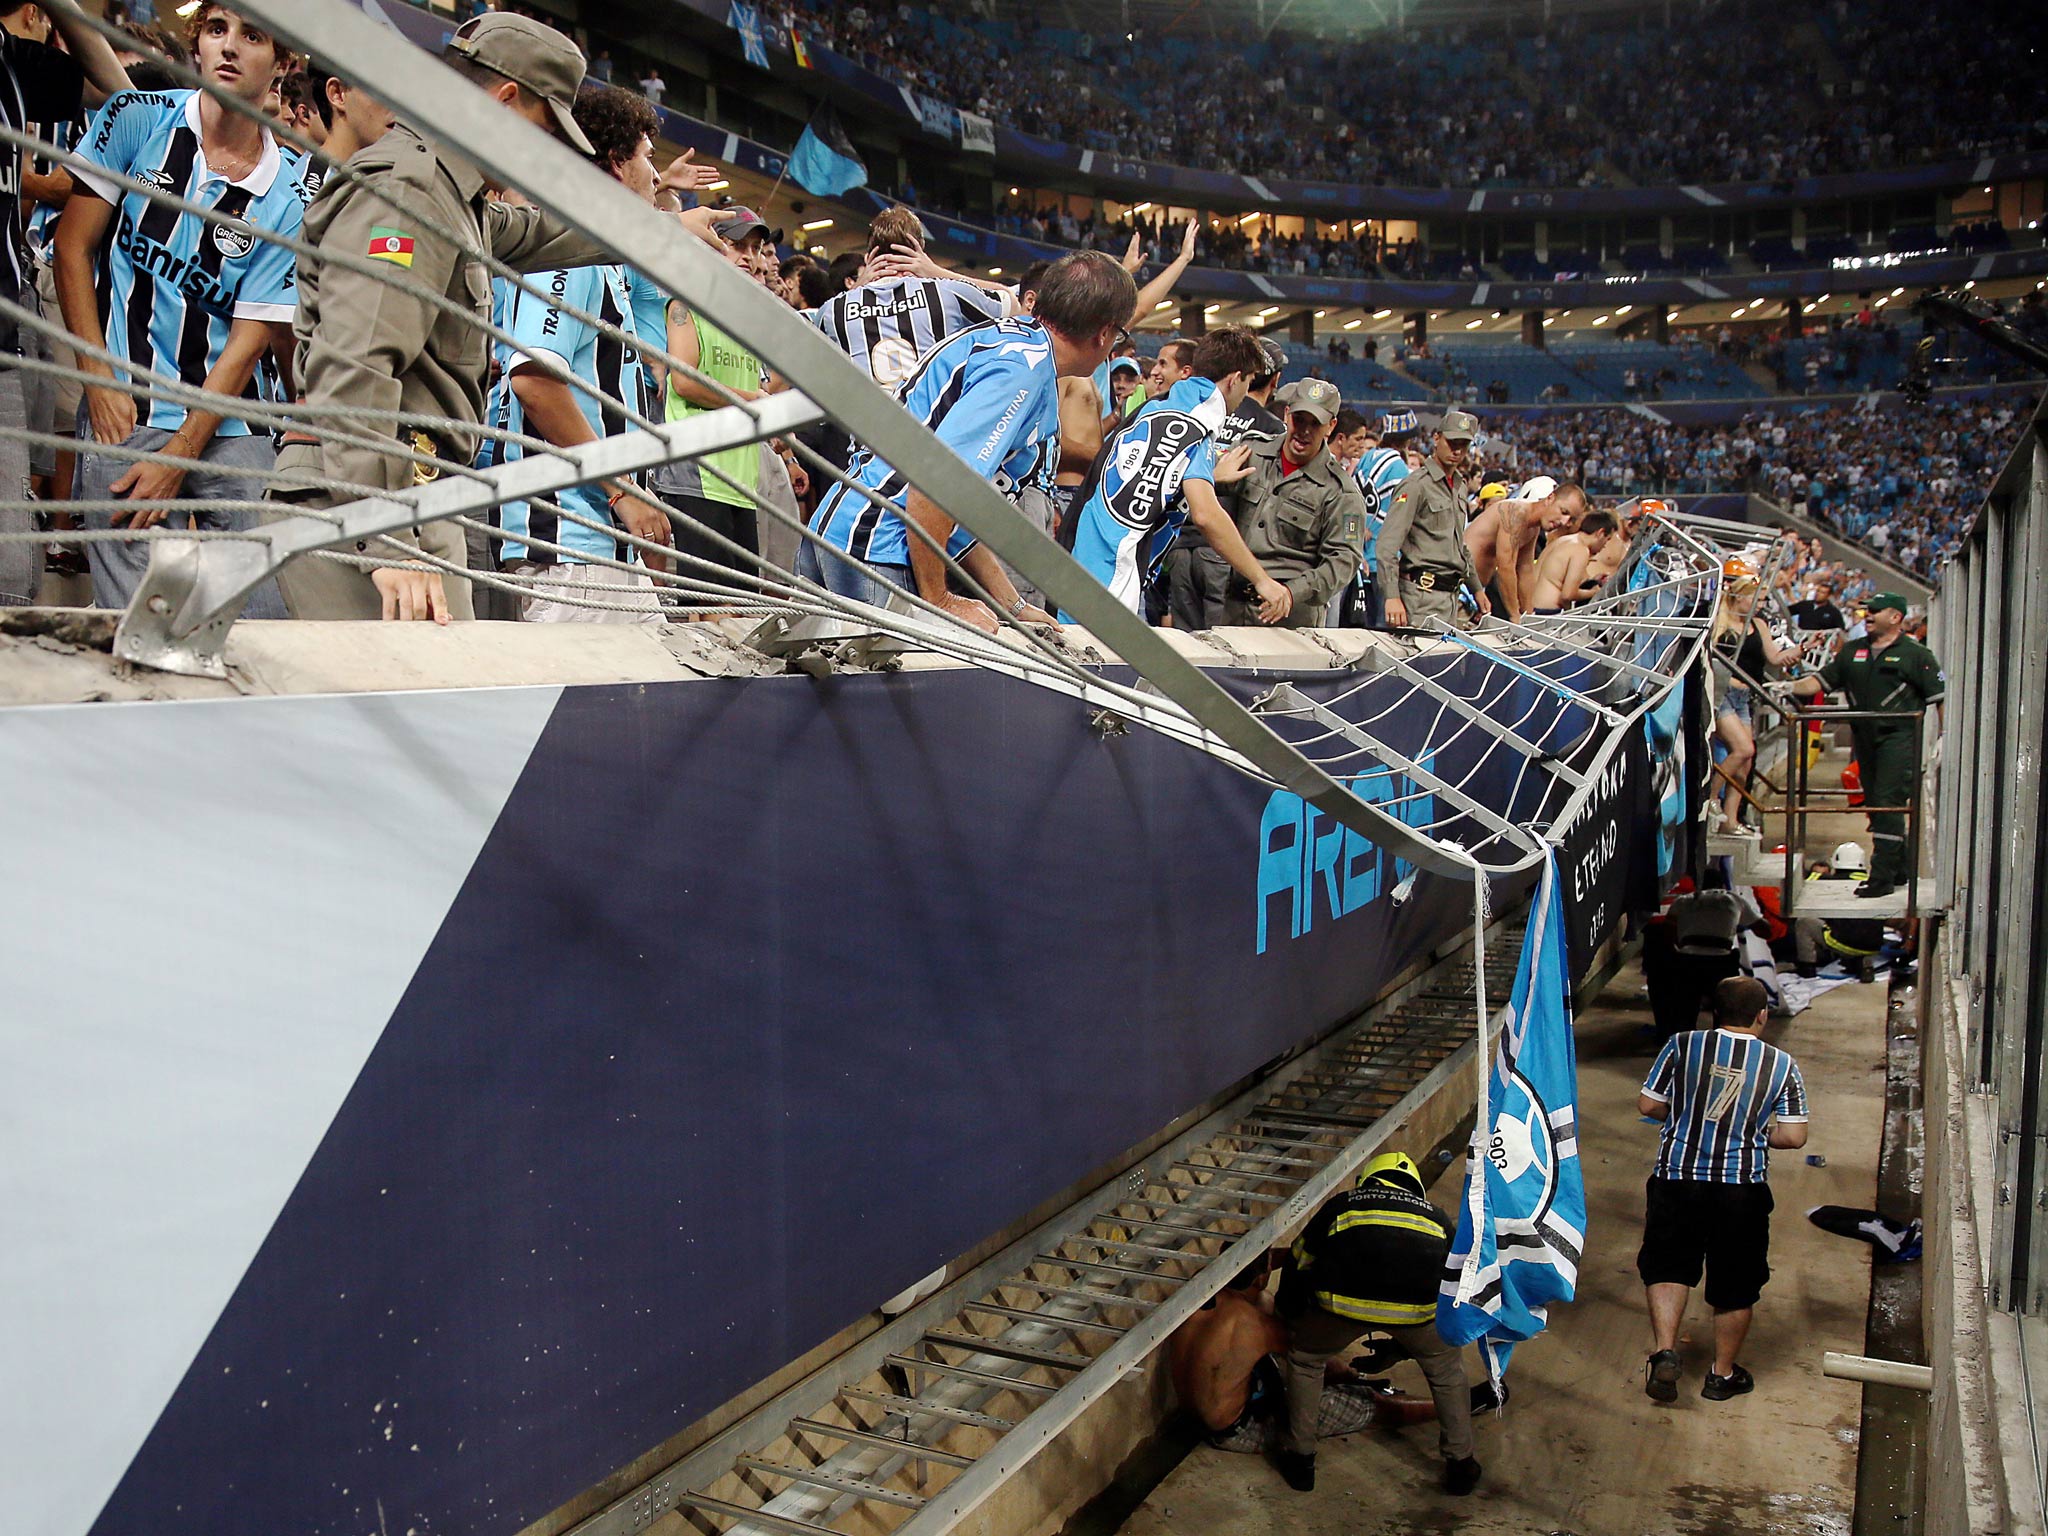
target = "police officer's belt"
x: 421, y: 442
x: 1431, y: 578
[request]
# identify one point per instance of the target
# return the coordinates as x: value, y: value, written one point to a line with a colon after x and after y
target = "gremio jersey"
x: 1380, y: 472
x: 1136, y: 485
x: 172, y: 284
x: 991, y: 393
x: 1724, y: 1088
x: 545, y: 331
x: 886, y: 327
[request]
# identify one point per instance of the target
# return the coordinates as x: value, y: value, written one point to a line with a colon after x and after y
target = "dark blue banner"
x: 761, y: 1000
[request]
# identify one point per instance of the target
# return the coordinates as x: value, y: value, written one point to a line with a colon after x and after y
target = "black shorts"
x: 1725, y: 1228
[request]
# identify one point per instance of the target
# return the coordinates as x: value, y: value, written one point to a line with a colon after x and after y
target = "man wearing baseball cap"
x: 1421, y: 551
x: 1300, y: 514
x: 365, y: 344
x: 1888, y: 670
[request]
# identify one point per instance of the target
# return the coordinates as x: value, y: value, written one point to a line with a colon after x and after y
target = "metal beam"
x: 186, y: 603
x: 447, y: 110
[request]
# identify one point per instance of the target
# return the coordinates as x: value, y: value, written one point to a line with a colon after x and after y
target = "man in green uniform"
x: 381, y: 346
x: 1300, y: 514
x: 1885, y: 669
x: 1421, y: 554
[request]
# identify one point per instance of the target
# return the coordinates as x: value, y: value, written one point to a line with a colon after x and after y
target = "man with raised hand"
x: 177, y: 297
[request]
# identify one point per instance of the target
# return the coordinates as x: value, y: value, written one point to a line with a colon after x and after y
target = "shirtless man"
x: 1564, y: 574
x: 1227, y: 1371
x: 1503, y: 539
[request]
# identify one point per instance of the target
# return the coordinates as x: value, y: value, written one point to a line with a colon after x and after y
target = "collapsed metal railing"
x: 181, y: 615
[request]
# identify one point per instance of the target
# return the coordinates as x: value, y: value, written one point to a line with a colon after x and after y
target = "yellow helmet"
x: 1395, y: 1168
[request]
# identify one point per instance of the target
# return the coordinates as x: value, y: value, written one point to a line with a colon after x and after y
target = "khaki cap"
x: 1459, y: 424
x: 536, y: 56
x: 1318, y: 397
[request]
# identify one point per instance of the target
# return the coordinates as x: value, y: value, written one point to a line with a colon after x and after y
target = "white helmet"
x: 1851, y: 856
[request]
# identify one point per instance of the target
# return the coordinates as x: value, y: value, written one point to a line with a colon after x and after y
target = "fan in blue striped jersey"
x: 991, y: 394
x: 171, y: 285
x: 887, y: 326
x: 905, y: 303
x: 549, y: 339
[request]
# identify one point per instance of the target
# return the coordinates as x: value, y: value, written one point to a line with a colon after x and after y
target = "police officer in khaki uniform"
x: 1301, y: 515
x: 376, y: 345
x: 1421, y: 555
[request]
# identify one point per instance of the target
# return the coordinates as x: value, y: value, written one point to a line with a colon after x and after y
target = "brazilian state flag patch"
x: 392, y: 245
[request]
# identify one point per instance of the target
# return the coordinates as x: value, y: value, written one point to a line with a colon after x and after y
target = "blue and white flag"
x: 746, y: 20
x: 824, y: 162
x: 1523, y: 1224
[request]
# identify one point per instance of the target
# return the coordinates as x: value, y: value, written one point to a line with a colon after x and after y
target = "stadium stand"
x: 1584, y: 101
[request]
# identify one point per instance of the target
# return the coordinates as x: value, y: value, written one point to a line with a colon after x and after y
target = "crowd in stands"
x: 1903, y: 480
x: 1860, y: 85
x: 1901, y: 483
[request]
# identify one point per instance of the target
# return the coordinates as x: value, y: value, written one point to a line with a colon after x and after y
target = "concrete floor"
x: 1581, y: 1450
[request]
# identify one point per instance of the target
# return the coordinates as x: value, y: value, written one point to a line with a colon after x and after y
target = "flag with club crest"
x: 1522, y: 1225
x: 745, y: 19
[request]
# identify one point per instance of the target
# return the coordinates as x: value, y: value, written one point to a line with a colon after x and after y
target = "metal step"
x: 925, y: 1417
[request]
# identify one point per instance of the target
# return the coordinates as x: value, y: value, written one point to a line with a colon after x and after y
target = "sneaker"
x: 1299, y: 1470
x: 1461, y: 1477
x: 1876, y: 888
x: 1660, y: 1376
x: 1719, y: 1389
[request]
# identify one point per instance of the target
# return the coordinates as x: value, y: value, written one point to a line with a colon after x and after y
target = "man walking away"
x: 1726, y: 1098
x: 1371, y: 1260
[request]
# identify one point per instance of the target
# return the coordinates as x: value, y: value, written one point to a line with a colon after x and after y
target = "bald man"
x: 1228, y: 1363
x: 1502, y: 539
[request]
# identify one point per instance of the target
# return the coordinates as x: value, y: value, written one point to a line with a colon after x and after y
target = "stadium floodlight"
x: 1381, y: 314
x: 1352, y: 325
x: 1601, y: 321
x: 995, y: 271
x: 1898, y: 293
x: 1163, y: 304
x: 1473, y: 325
x: 1624, y: 309
x: 818, y: 224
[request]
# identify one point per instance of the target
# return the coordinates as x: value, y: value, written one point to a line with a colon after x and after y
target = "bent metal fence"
x: 1609, y: 660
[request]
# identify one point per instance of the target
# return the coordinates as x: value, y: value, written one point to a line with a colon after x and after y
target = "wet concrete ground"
x: 1581, y: 1450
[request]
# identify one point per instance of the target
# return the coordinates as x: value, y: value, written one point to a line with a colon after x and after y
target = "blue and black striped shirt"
x: 1724, y: 1088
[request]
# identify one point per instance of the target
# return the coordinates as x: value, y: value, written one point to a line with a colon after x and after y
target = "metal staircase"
x: 916, y: 1426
